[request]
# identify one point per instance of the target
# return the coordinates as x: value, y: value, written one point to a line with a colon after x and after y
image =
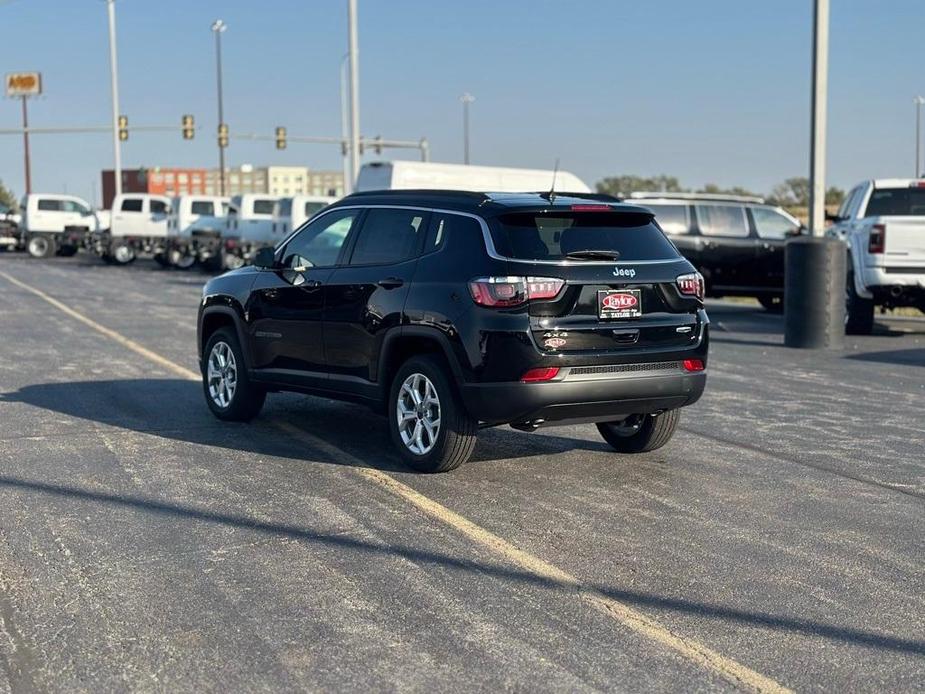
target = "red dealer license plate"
x: 622, y: 303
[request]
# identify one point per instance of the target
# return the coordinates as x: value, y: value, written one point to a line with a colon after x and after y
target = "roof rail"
x: 715, y: 197
x: 433, y: 192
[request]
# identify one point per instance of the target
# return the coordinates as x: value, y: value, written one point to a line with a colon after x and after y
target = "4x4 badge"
x: 621, y: 272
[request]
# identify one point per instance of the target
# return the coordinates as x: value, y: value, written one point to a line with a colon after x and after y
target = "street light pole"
x: 466, y: 99
x: 114, y: 77
x: 918, y: 135
x: 354, y: 52
x: 25, y: 144
x: 218, y: 28
x: 344, y: 128
x: 818, y: 125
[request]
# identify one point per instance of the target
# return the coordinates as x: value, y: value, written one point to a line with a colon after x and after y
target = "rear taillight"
x: 502, y: 292
x: 691, y: 285
x: 693, y: 365
x: 877, y: 240
x: 538, y: 375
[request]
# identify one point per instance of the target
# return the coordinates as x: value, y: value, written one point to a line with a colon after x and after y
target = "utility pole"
x: 466, y: 99
x: 114, y: 77
x: 218, y: 28
x: 918, y: 135
x: 25, y: 144
x: 344, y: 127
x: 354, y: 51
x: 814, y: 266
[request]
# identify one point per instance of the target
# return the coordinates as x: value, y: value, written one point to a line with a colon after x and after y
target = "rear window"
x: 552, y: 236
x: 901, y: 202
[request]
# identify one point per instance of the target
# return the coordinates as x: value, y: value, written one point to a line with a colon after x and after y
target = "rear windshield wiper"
x: 593, y: 255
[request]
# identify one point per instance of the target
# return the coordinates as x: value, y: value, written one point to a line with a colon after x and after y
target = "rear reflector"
x: 592, y: 208
x: 693, y: 365
x: 536, y: 375
x: 691, y: 285
x: 877, y: 240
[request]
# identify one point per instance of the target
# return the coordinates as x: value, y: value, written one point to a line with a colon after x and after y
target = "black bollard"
x: 814, y: 293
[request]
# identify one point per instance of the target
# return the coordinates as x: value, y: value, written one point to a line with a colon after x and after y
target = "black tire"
x: 247, y: 398
x: 641, y: 433
x: 859, y: 312
x: 161, y: 259
x: 67, y: 251
x: 457, y: 433
x: 180, y: 259
x: 772, y: 303
x: 42, y: 246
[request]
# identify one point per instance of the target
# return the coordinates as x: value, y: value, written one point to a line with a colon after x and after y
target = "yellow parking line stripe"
x: 727, y: 668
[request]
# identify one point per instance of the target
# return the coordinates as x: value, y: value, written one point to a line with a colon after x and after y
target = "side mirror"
x: 829, y: 217
x: 265, y: 258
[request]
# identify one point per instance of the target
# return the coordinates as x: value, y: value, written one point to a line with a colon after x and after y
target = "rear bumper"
x: 572, y: 401
x: 896, y: 274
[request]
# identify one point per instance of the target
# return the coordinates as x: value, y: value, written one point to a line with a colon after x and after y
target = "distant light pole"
x: 466, y: 99
x: 344, y: 127
x: 354, y: 52
x: 918, y: 135
x: 114, y: 78
x: 218, y: 28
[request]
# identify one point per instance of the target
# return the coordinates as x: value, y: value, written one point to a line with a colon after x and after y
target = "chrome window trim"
x: 486, y: 237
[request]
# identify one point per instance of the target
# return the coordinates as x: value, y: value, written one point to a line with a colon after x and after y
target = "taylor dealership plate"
x: 619, y: 303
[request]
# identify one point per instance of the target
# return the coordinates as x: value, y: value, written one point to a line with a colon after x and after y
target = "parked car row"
x: 218, y: 232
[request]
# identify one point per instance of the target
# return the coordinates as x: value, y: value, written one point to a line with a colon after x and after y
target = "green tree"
x: 834, y: 196
x: 6, y: 196
x: 793, y: 192
x: 622, y: 186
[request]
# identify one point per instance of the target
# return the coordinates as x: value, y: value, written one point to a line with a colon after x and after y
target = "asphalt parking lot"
x: 778, y: 542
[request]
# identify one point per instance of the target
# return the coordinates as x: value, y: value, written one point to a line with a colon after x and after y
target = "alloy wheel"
x: 222, y: 374
x: 418, y: 414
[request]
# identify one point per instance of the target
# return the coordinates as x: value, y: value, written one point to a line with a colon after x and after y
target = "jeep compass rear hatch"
x: 600, y: 278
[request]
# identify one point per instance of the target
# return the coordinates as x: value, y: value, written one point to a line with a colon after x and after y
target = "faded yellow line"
x: 712, y: 661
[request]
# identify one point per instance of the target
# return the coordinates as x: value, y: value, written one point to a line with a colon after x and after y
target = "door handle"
x: 391, y: 282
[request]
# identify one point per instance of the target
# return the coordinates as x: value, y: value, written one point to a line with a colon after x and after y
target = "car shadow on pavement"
x: 902, y: 357
x: 171, y: 511
x: 175, y: 409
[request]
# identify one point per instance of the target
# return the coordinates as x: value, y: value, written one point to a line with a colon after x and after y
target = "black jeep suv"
x: 451, y: 311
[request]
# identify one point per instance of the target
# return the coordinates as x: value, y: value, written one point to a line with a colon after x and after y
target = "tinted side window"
x: 313, y: 207
x: 73, y: 206
x: 131, y: 205
x: 319, y: 243
x: 673, y: 219
x: 722, y: 220
x: 771, y: 224
x: 442, y: 225
x: 202, y: 207
x: 264, y: 206
x: 158, y: 207
x: 846, y: 204
x: 389, y: 236
x: 49, y: 205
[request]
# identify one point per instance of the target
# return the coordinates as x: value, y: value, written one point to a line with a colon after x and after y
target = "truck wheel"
x: 640, y: 433
x: 67, y: 251
x: 41, y: 246
x: 859, y: 312
x: 181, y: 260
x: 229, y: 392
x: 231, y: 261
x: 772, y: 304
x: 427, y: 421
x: 161, y: 259
x: 123, y: 254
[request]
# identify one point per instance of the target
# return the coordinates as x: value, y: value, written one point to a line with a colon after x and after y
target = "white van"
x: 250, y: 224
x: 59, y: 223
x: 413, y: 175
x: 139, y: 225
x: 194, y: 229
x: 295, y: 211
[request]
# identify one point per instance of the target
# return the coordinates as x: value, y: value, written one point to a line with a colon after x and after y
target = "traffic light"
x: 123, y: 128
x: 188, y: 127
x: 281, y: 138
x: 222, y: 135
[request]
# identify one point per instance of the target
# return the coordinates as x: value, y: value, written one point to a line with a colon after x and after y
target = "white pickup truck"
x: 139, y: 225
x: 291, y: 213
x: 194, y: 226
x: 250, y: 225
x: 882, y: 222
x: 59, y: 223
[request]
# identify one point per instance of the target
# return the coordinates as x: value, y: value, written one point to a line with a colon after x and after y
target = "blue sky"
x: 709, y: 91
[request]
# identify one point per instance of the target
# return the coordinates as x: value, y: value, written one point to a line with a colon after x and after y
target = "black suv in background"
x: 451, y: 311
x: 736, y: 242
